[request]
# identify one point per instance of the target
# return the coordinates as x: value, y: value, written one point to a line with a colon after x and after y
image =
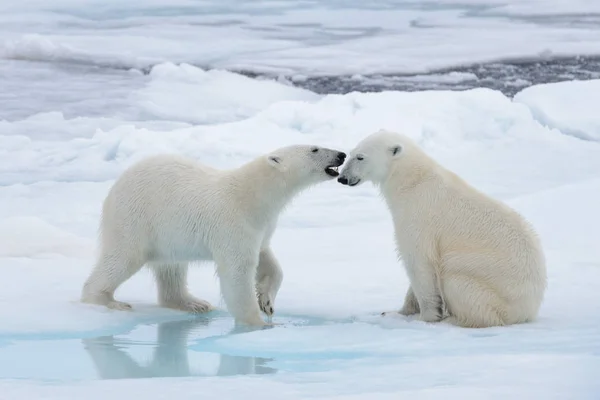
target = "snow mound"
x: 570, y: 106
x: 187, y: 93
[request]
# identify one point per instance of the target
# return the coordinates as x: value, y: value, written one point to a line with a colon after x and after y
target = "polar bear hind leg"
x: 410, y: 307
x: 111, y: 270
x: 171, y: 280
x: 472, y: 304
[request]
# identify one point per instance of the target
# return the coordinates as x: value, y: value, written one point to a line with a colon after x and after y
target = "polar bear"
x: 468, y: 257
x: 167, y: 211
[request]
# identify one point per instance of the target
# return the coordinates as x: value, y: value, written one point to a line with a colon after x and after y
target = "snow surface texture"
x: 67, y: 132
x: 307, y: 37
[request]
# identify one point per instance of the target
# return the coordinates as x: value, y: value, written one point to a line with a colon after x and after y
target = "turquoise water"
x: 179, y: 348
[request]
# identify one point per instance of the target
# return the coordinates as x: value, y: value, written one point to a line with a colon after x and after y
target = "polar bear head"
x: 376, y: 156
x: 306, y: 164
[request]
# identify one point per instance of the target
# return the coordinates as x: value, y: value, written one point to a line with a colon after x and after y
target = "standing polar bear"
x: 465, y: 253
x: 167, y: 211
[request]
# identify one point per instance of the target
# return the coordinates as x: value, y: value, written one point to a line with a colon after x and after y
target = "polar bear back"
x: 492, y: 230
x: 170, y: 206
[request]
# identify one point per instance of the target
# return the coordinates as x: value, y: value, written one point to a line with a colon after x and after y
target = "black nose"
x: 343, y: 180
x: 341, y: 156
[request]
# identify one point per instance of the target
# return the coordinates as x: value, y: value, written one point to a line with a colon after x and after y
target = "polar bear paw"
x: 190, y: 304
x: 429, y: 318
x: 119, y: 305
x: 434, y: 310
x: 433, y: 315
x: 266, y: 303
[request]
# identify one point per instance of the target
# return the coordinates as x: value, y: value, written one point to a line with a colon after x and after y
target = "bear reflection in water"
x: 170, y: 356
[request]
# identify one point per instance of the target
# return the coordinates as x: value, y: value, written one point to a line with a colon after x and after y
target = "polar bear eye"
x: 360, y: 158
x: 315, y: 150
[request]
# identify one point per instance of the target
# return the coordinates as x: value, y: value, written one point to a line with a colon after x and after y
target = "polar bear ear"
x: 395, y: 150
x: 275, y: 161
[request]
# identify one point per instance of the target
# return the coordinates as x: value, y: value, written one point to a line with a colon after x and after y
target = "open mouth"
x: 332, y: 170
x: 356, y: 182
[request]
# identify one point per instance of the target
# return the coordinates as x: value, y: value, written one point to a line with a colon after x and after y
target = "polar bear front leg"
x: 237, y: 276
x: 171, y: 280
x: 268, y: 281
x: 423, y: 282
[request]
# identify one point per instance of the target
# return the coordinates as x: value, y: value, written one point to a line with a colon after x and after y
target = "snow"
x: 68, y: 130
x: 568, y: 106
x: 216, y: 98
x: 33, y: 237
x: 316, y: 37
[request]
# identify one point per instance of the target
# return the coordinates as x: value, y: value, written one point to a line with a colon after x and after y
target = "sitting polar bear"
x: 168, y: 211
x: 465, y: 253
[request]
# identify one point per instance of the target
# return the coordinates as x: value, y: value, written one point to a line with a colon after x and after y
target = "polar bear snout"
x: 344, y: 180
x: 351, y: 174
x: 340, y: 158
x: 332, y: 169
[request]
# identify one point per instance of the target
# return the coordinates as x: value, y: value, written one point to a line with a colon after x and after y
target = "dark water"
x: 508, y: 77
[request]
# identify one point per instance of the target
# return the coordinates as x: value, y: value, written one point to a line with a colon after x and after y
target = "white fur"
x: 465, y: 253
x: 167, y: 211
